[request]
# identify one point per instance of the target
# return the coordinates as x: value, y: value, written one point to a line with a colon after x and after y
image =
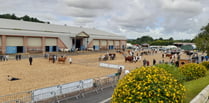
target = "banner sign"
x: 114, y: 66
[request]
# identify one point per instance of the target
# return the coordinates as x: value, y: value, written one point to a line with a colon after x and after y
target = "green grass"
x: 195, y: 86
x: 192, y: 87
x: 174, y: 71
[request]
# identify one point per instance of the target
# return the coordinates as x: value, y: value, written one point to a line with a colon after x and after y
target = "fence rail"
x: 16, y: 97
x: 62, y: 93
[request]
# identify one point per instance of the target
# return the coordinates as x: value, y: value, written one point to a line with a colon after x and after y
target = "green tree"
x: 170, y: 39
x: 24, y: 18
x: 160, y: 38
x: 14, y: 17
x: 202, y: 39
x: 144, y: 39
x: 162, y: 42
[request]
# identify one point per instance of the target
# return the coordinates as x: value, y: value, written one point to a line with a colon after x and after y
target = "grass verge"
x: 195, y: 86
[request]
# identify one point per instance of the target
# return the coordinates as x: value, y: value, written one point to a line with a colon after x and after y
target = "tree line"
x: 160, y: 41
x: 24, y: 18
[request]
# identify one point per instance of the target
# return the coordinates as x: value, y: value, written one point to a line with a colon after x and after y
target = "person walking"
x: 154, y: 61
x: 202, y: 58
x: 206, y: 58
x: 20, y: 57
x: 30, y: 60
x: 17, y: 57
x: 54, y: 59
x: 147, y: 63
x: 144, y: 62
x: 119, y: 72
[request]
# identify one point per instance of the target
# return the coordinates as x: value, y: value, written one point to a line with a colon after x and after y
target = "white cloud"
x: 180, y: 19
x: 85, y: 8
x: 89, y: 4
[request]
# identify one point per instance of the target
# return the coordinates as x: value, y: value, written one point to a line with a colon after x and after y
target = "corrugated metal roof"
x: 13, y: 27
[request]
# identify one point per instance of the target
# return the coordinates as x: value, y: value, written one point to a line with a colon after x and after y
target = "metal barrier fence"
x: 16, y: 98
x: 100, y: 84
x: 62, y: 93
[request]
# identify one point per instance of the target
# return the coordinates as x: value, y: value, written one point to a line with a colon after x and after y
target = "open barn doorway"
x: 78, y: 41
x: 20, y: 49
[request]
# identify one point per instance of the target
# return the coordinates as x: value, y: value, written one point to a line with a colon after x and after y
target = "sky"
x: 179, y: 19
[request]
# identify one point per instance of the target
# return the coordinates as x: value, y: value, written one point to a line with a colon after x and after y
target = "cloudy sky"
x: 179, y: 19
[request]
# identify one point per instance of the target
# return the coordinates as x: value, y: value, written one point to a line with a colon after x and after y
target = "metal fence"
x: 62, y: 93
x: 16, y: 98
x: 100, y: 83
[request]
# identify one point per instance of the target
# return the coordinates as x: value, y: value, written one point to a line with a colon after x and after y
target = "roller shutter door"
x: 96, y: 42
x: 51, y: 41
x: 123, y: 43
x: 117, y: 43
x: 14, y: 41
x: 103, y: 42
x: 34, y: 42
x: 0, y: 41
x: 110, y: 42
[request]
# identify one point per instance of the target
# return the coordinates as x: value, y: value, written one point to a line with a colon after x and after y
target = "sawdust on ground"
x: 44, y: 73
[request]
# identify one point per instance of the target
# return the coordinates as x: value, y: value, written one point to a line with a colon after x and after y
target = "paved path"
x: 102, y: 97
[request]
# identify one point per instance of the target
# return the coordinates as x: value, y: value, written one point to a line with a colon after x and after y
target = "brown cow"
x: 62, y: 59
x: 168, y: 55
x: 50, y: 59
x: 129, y: 58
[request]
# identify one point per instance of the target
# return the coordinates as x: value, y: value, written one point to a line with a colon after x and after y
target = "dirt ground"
x: 44, y: 73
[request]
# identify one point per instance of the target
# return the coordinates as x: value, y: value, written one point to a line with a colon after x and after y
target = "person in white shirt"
x: 127, y: 71
x: 70, y: 60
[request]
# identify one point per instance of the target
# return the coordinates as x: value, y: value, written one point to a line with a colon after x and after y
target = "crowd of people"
x: 167, y: 58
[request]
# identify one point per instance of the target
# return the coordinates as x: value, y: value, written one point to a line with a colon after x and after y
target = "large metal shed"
x: 18, y: 36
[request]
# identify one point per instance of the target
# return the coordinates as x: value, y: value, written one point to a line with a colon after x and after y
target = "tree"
x: 14, y: 17
x: 170, y: 39
x: 202, y: 39
x: 162, y: 42
x: 160, y: 38
x: 24, y: 18
x: 144, y: 39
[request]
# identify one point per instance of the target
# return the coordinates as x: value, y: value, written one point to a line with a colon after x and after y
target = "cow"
x: 168, y: 55
x: 62, y: 59
x: 112, y: 56
x: 129, y: 58
x: 50, y: 58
